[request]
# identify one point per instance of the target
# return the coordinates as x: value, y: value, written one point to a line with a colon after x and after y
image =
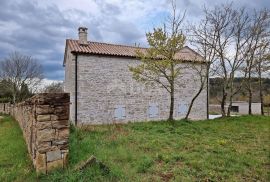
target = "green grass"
x: 15, y: 164
x: 229, y: 149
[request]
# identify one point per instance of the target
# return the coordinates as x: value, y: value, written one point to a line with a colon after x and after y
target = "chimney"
x: 82, y: 35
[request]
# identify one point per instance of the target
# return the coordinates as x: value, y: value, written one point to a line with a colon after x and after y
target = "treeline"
x: 215, y: 85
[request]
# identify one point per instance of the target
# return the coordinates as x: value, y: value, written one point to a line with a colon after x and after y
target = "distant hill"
x: 216, y: 90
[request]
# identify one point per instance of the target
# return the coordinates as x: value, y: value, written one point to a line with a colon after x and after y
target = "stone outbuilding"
x: 241, y: 107
x: 238, y: 107
x: 102, y: 89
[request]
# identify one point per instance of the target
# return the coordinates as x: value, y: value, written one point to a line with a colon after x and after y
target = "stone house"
x: 102, y: 89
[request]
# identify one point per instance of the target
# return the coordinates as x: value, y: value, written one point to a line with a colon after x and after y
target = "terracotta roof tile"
x: 186, y: 53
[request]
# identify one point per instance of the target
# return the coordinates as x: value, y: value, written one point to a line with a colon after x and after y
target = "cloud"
x: 39, y: 28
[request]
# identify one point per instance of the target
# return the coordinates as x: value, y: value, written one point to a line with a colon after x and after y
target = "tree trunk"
x: 262, y: 103
x: 229, y: 108
x: 249, y: 102
x: 171, y: 104
x: 14, y: 98
x: 172, y: 93
x: 261, y: 93
x: 249, y: 93
x: 207, y: 89
x: 192, y: 101
x: 231, y: 98
x: 223, y: 103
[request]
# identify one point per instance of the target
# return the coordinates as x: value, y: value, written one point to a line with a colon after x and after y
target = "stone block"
x: 55, y: 165
x: 60, y: 142
x: 43, y: 147
x: 40, y: 163
x: 44, y: 109
x: 60, y: 124
x: 53, y: 155
x: 44, y: 125
x: 54, y: 117
x: 63, y: 147
x: 42, y: 118
x: 63, y: 133
x: 61, y: 109
x: 63, y: 116
x: 45, y: 135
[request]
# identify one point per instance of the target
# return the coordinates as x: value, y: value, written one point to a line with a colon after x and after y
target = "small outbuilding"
x: 241, y: 107
x: 238, y: 107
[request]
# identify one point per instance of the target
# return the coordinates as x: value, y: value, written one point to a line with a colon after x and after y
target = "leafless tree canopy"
x: 56, y: 87
x: 19, y: 70
x: 231, y: 40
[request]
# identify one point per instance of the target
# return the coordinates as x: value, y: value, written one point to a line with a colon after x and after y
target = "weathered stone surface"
x: 45, y: 147
x: 60, y: 109
x: 53, y: 155
x: 54, y: 165
x: 63, y: 116
x: 63, y: 133
x: 54, y: 117
x: 45, y: 135
x: 63, y: 147
x: 60, y: 142
x: 41, y: 118
x: 40, y: 163
x: 44, y: 125
x: 44, y: 109
x: 60, y: 124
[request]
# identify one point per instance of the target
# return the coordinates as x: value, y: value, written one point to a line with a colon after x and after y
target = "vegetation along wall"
x: 44, y: 120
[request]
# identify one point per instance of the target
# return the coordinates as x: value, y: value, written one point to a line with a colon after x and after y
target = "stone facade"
x: 44, y: 120
x: 105, y: 84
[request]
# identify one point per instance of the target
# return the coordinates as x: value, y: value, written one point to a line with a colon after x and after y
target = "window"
x: 153, y: 110
x: 182, y: 108
x: 235, y: 108
x: 119, y: 112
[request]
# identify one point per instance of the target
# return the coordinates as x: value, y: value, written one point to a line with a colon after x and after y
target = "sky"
x: 40, y: 27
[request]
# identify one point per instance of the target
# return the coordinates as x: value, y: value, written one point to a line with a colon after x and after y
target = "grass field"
x: 15, y: 164
x: 230, y: 149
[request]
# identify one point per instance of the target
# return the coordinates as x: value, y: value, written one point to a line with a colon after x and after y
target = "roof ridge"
x: 121, y: 45
x: 123, y: 50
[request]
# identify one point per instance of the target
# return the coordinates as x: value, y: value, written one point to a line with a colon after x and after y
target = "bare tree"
x: 262, y: 67
x: 20, y: 70
x: 164, y: 43
x: 202, y: 78
x: 224, y: 32
x: 55, y: 87
x: 258, y: 41
x: 203, y: 37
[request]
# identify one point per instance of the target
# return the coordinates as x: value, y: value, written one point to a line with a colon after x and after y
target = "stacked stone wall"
x: 44, y: 120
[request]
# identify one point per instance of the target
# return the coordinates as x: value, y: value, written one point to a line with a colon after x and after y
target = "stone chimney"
x: 82, y: 35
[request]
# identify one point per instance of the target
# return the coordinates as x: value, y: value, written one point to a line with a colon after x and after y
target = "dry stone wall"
x: 44, y: 120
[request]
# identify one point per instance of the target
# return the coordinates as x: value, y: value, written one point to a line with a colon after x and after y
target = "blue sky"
x: 39, y: 27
